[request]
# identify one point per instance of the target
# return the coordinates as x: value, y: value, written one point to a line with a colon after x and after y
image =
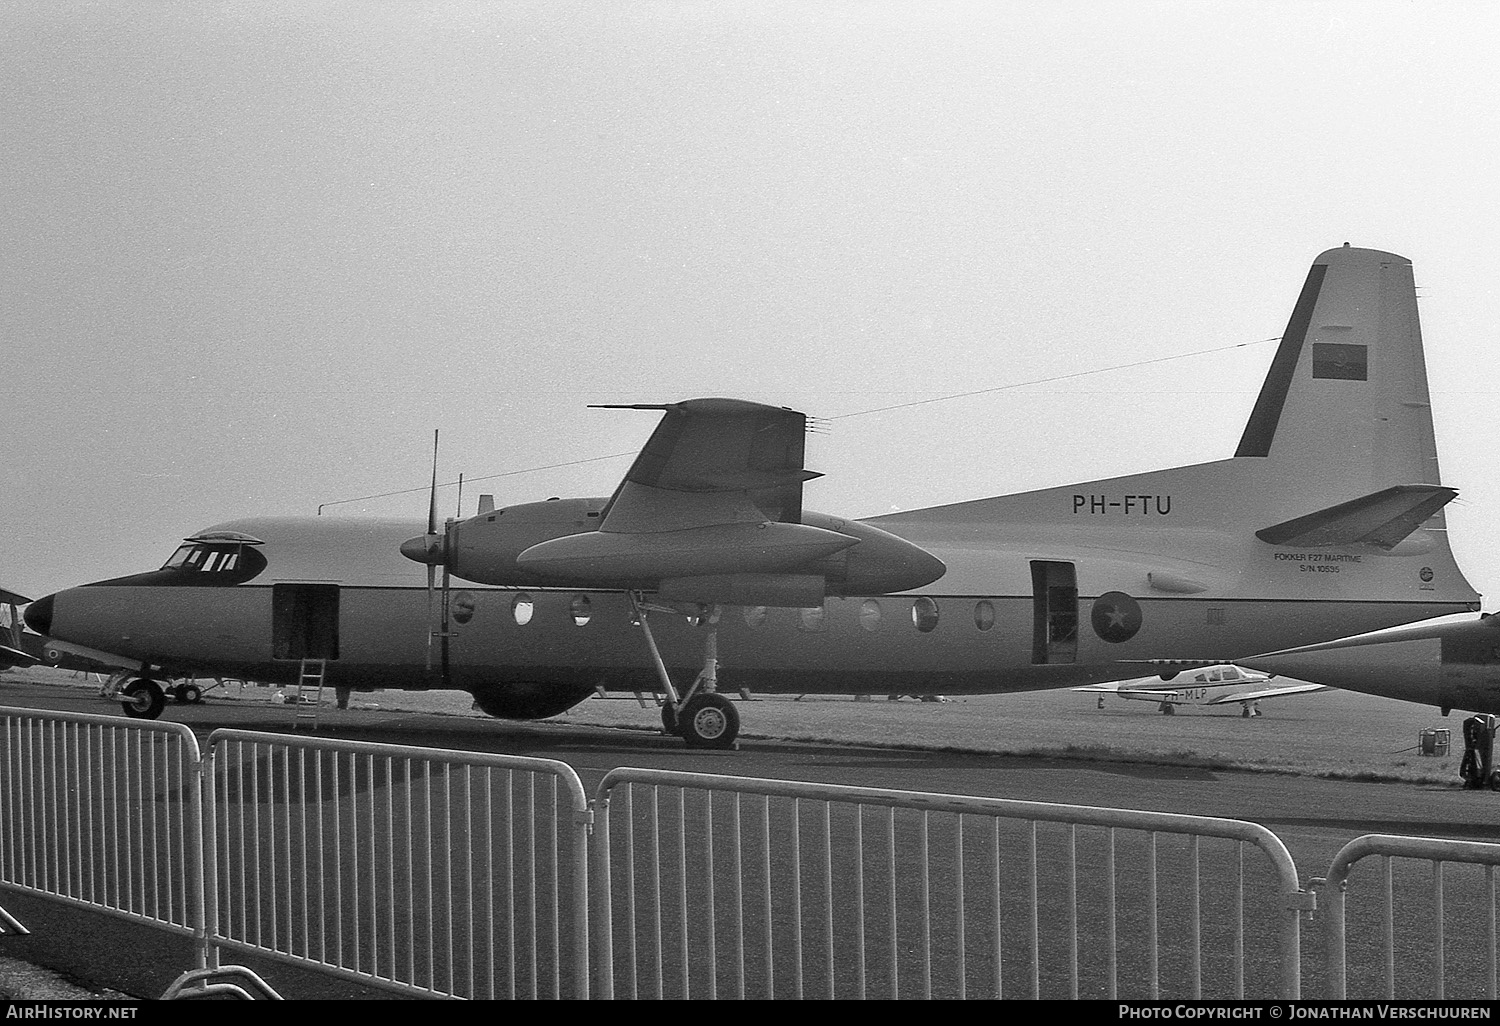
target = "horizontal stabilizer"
x: 1381, y: 519
x: 13, y: 598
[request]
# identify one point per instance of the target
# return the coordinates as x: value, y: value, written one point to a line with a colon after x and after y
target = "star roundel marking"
x: 1116, y: 617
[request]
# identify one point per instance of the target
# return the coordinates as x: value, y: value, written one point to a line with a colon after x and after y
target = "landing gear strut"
x: 702, y: 717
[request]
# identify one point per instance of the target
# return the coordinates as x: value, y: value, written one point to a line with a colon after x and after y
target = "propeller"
x: 436, y: 548
x: 432, y: 548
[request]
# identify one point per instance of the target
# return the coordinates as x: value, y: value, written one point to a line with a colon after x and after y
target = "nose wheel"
x: 143, y: 699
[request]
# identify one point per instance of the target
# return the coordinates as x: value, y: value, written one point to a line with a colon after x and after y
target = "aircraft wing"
x: 1125, y: 688
x: 1381, y: 519
x: 710, y: 462
x: 1256, y: 696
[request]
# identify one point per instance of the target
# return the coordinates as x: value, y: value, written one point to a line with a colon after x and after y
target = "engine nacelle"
x: 558, y: 543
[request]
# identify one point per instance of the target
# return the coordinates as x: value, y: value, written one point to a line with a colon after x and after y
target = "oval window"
x: 581, y: 609
x: 812, y: 619
x: 869, y: 614
x: 924, y: 613
x: 755, y: 616
x: 984, y: 615
x: 521, y: 608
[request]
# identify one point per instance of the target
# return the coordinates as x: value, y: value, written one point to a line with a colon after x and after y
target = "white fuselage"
x: 985, y: 627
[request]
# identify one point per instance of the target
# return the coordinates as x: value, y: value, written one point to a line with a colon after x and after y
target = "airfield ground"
x: 1334, y: 734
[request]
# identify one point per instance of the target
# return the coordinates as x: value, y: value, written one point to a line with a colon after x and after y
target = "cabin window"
x: 581, y: 610
x: 869, y: 615
x: 755, y: 616
x: 984, y: 615
x: 812, y: 620
x: 924, y: 614
x: 521, y: 608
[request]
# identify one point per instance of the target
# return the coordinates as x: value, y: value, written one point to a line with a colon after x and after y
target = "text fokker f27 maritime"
x: 1327, y: 521
x: 1207, y: 685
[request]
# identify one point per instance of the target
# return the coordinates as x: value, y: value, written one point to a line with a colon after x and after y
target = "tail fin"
x: 1337, y: 467
x: 1346, y: 397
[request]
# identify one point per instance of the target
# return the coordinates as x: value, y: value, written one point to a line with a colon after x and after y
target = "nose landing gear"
x: 143, y: 699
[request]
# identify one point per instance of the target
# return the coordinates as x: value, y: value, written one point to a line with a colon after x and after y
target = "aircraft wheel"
x: 710, y: 721
x: 190, y: 693
x: 669, y: 718
x: 144, y: 699
x: 1168, y: 709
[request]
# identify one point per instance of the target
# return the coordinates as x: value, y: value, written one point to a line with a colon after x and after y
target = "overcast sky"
x: 252, y: 254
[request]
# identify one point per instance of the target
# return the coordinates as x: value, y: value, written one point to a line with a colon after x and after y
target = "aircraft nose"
x: 39, y: 615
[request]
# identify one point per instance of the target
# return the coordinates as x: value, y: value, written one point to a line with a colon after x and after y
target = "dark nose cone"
x: 39, y: 615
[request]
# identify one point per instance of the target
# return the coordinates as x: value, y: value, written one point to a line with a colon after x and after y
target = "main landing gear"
x: 702, y: 717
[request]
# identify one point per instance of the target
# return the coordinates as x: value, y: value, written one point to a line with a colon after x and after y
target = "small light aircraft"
x: 704, y: 566
x: 1209, y: 685
x: 1452, y: 664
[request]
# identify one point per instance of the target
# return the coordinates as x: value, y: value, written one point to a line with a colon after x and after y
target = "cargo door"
x: 305, y: 621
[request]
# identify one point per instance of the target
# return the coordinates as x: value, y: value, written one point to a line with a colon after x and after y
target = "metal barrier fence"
x: 104, y: 813
x: 711, y: 884
x: 444, y: 873
x: 1422, y: 938
x: 426, y: 871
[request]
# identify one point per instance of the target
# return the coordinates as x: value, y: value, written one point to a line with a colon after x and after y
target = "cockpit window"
x: 222, y: 558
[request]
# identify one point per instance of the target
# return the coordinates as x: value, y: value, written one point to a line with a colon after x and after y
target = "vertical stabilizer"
x: 1346, y: 397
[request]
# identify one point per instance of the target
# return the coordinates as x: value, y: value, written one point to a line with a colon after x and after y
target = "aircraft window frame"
x: 522, y: 609
x: 984, y: 615
x: 581, y: 609
x: 755, y: 616
x: 925, y: 614
x: 869, y: 615
x: 179, y: 557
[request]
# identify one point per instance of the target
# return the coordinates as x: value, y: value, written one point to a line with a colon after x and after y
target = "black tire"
x: 710, y: 721
x: 190, y: 693
x: 669, y: 718
x: 143, y: 699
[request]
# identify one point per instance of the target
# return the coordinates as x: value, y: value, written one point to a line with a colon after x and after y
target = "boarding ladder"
x: 309, y: 693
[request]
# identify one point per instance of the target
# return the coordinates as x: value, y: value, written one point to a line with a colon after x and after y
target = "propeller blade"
x: 431, y: 573
x: 432, y: 501
x: 431, y: 530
